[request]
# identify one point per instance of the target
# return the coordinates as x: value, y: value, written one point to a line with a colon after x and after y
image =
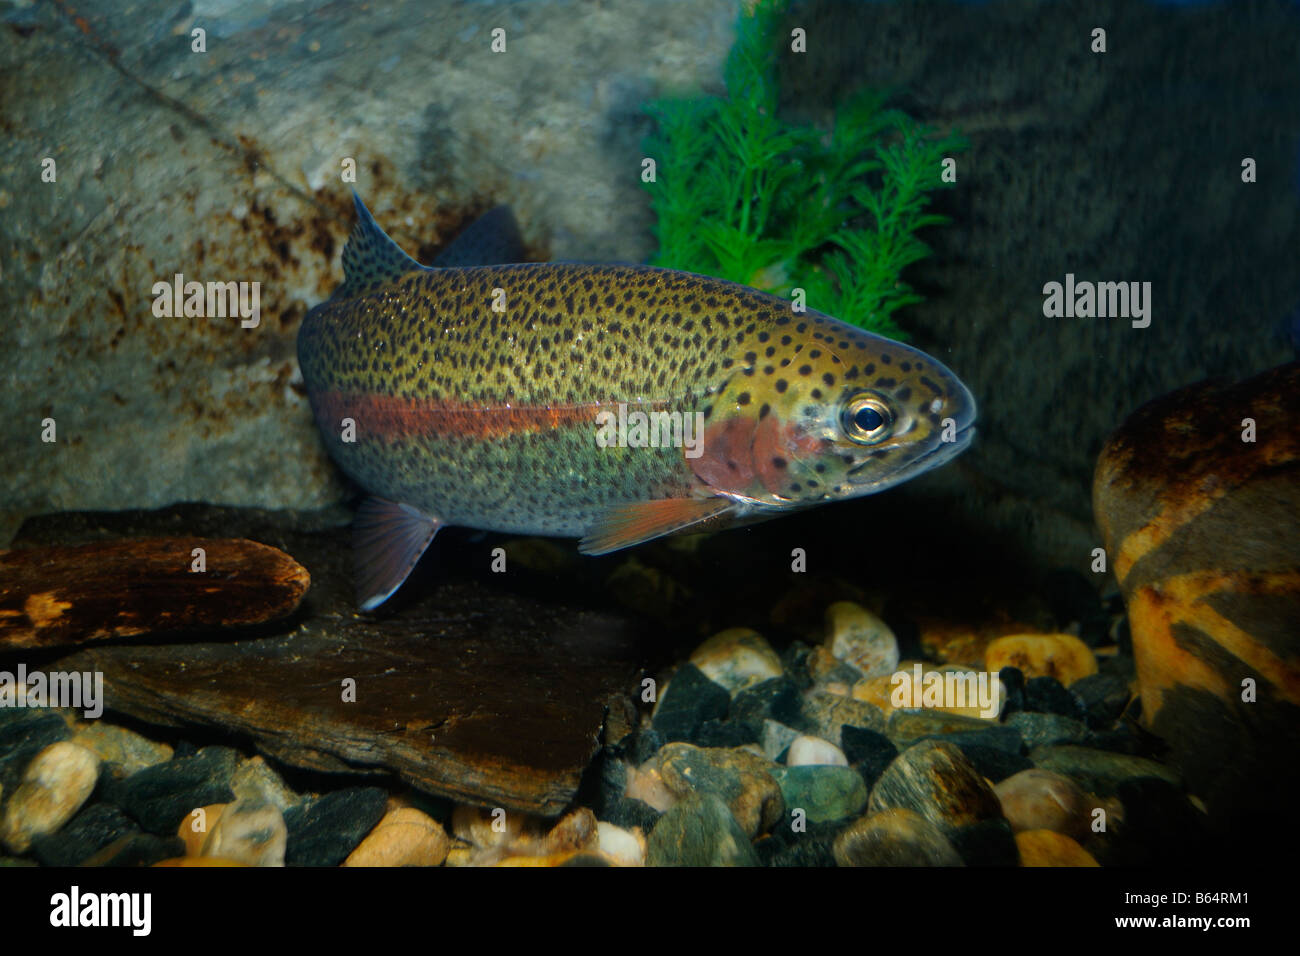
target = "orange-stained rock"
x: 1062, y: 656
x: 194, y: 838
x: 1049, y: 848
x: 1198, y: 499
x: 404, y: 837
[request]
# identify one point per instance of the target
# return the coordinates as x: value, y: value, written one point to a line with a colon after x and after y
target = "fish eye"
x: 867, y: 418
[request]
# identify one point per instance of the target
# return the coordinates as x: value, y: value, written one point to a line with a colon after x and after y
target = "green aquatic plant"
x: 743, y: 195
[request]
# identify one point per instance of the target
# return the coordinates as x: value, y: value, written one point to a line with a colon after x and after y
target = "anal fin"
x: 625, y: 525
x: 387, y: 541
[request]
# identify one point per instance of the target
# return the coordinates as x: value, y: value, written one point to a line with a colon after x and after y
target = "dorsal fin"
x: 491, y: 240
x: 370, y: 257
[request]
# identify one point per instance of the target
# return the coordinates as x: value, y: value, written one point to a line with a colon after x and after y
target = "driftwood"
x: 60, y: 596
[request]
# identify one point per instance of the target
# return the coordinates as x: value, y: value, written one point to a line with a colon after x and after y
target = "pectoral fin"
x: 625, y: 525
x: 387, y: 541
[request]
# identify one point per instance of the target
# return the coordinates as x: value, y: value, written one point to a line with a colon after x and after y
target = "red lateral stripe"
x: 395, y: 416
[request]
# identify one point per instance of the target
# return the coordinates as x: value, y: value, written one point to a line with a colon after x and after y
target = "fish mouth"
x: 940, y: 454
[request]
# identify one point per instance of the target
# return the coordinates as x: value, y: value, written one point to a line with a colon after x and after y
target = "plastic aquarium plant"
x: 742, y: 195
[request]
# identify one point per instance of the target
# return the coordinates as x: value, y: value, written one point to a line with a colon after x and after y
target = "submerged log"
x: 60, y: 596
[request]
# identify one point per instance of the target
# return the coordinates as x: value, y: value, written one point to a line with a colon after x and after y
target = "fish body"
x: 516, y: 398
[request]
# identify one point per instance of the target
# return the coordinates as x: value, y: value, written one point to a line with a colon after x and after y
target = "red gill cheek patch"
x: 727, y: 462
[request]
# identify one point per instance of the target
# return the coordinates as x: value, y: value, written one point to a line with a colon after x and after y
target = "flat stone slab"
x: 467, y: 690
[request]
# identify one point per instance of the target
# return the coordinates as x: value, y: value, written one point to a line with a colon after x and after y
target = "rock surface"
x: 457, y: 693
x: 1203, y: 531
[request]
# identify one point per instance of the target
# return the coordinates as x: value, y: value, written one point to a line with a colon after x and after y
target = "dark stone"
x: 92, y: 829
x: 640, y: 745
x: 996, y: 736
x: 775, y: 699
x: 138, y: 849
x: 1103, y: 697
x: 727, y: 733
x: 161, y: 796
x: 700, y: 831
x: 1013, y: 689
x: 986, y: 843
x: 994, y: 763
x: 1047, y: 695
x: 794, y: 659
x: 1160, y: 827
x: 690, y: 700
x: 465, y: 689
x: 586, y: 859
x: 814, y: 847
x: 628, y: 812
x: 24, y: 733
x: 1038, y: 730
x: 869, y: 752
x: 935, y: 779
x: 1099, y: 771
x: 322, y: 832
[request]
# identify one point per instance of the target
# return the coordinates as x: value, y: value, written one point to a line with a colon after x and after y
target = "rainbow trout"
x: 612, y: 403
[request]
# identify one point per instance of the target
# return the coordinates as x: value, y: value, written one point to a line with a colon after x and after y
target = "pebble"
x: 1043, y: 800
x: 622, y: 847
x: 194, y: 829
x: 1013, y: 689
x: 251, y: 831
x: 922, y: 693
x: 808, y: 751
x: 936, y: 780
x: 54, y: 786
x: 1062, y: 656
x: 486, y: 828
x: 906, y: 727
x: 700, y: 831
x: 986, y: 843
x: 1099, y: 771
x: 1049, y: 848
x: 825, y: 715
x: 137, y: 849
x: 645, y: 785
x: 93, y: 828
x: 727, y: 733
x: 827, y: 670
x: 737, y: 659
x: 741, y: 779
x: 894, y: 837
x: 823, y: 793
x: 859, y: 638
x: 324, y: 830
x: 253, y: 777
x: 687, y: 702
x: 404, y: 836
x: 991, y: 762
x: 577, y: 830
x: 1104, y: 697
x: 776, y: 739
x: 23, y: 734
x: 1047, y: 695
x: 117, y: 745
x: 1040, y: 730
x: 812, y: 845
x: 161, y: 796
x: 869, y: 752
x: 776, y: 699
